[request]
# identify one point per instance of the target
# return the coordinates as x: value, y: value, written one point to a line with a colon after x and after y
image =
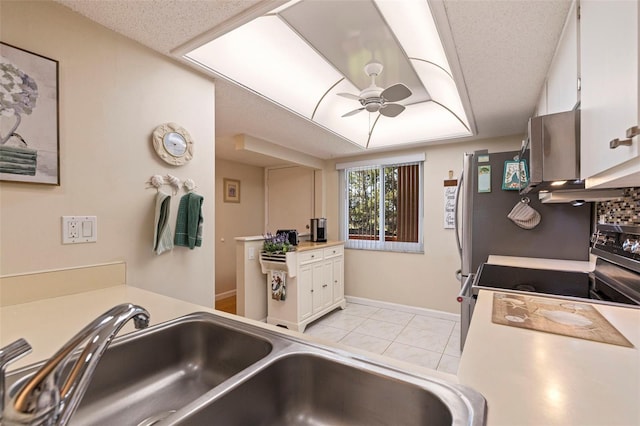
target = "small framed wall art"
x: 231, y: 188
x: 29, y: 136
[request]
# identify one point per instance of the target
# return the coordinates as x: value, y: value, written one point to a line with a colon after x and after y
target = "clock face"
x: 175, y: 144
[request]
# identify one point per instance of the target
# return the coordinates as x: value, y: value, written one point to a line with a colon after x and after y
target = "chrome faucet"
x: 53, y: 393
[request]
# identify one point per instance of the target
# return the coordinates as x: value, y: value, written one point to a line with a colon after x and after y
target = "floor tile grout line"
x: 404, y: 327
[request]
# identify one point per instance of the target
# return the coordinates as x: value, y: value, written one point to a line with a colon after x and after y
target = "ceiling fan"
x: 375, y: 99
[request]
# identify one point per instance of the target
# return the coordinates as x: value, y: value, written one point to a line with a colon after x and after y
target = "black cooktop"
x: 545, y: 281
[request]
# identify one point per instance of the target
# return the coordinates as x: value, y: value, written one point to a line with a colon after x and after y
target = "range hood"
x: 552, y: 152
x: 578, y: 196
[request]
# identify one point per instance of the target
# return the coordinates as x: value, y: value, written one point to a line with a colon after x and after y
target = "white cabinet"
x: 334, y: 261
x: 609, y: 95
x: 314, y: 287
x: 562, y: 81
x: 560, y: 91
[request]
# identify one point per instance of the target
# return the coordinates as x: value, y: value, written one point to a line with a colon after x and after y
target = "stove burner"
x: 525, y: 287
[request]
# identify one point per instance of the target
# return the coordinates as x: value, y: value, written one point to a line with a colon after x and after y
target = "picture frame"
x: 231, y: 190
x: 29, y: 123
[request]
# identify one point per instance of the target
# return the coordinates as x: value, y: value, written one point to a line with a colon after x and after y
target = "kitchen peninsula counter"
x: 49, y: 323
x: 535, y: 378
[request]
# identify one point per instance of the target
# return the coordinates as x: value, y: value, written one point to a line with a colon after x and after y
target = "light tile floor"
x: 416, y: 338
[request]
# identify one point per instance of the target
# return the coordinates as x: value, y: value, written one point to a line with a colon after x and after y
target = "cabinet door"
x: 317, y: 271
x: 609, y: 76
x: 562, y: 81
x: 327, y: 284
x: 305, y: 293
x: 337, y: 276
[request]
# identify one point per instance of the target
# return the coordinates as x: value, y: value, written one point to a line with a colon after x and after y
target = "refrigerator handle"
x: 464, y: 292
x: 456, y: 224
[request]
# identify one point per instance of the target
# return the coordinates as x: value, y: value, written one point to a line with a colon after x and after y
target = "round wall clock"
x: 173, y: 144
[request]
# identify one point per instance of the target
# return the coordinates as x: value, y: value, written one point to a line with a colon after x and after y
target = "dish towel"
x: 278, y: 285
x: 162, y: 240
x: 189, y: 221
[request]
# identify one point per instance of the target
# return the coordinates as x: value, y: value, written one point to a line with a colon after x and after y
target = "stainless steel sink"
x: 311, y: 389
x: 204, y: 369
x: 150, y: 374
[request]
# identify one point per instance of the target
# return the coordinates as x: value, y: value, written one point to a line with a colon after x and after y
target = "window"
x: 382, y: 205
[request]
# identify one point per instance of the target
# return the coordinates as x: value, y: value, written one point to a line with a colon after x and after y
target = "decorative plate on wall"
x: 173, y: 144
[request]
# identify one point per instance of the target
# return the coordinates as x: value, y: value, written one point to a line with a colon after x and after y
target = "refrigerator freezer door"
x: 466, y: 213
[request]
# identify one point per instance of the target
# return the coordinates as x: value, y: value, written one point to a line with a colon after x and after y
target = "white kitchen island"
x: 535, y: 378
x: 314, y: 278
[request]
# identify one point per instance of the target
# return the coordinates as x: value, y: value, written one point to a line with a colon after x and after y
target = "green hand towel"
x: 189, y: 221
x: 162, y: 231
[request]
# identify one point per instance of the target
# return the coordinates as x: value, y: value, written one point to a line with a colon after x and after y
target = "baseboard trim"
x: 225, y: 295
x: 404, y: 308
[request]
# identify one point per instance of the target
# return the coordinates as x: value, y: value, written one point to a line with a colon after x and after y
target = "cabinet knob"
x: 324, y: 285
x: 633, y: 131
x: 617, y: 142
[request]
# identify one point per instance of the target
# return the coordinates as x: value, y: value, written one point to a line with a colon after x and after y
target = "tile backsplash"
x: 625, y: 211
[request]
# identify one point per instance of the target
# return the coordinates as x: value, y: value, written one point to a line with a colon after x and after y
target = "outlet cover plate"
x: 79, y: 229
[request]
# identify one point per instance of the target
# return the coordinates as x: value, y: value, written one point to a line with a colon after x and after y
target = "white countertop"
x: 48, y: 323
x: 535, y: 378
x: 539, y: 263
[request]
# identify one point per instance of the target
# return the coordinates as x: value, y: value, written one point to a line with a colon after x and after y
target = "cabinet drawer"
x: 310, y: 256
x: 334, y: 251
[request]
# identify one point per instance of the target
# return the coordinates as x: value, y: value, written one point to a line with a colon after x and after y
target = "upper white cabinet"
x: 609, y: 95
x: 560, y: 90
x: 562, y: 81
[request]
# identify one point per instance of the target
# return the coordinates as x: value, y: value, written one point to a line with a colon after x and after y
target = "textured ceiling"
x: 504, y: 49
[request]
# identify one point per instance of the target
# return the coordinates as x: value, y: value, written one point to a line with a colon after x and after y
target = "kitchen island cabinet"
x: 536, y: 378
x: 609, y: 92
x: 314, y: 284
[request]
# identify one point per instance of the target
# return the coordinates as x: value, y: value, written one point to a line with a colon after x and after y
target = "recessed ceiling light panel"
x: 302, y: 54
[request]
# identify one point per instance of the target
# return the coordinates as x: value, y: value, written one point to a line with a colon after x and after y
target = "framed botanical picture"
x: 231, y: 188
x: 29, y: 135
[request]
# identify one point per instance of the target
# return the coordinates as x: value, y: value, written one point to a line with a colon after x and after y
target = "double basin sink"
x: 204, y: 369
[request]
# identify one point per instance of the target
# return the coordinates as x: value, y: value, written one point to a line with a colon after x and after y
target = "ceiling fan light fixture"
x: 372, y: 107
x: 286, y: 69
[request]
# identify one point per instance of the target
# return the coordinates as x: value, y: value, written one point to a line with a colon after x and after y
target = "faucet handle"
x: 12, y: 352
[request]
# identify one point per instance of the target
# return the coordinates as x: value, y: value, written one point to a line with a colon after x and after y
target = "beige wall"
x: 423, y: 280
x: 236, y: 219
x: 113, y: 93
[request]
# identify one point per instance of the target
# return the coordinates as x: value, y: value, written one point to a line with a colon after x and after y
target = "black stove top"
x: 545, y: 281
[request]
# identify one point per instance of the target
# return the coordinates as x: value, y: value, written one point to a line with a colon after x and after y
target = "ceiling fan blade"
x: 396, y: 93
x: 355, y: 111
x: 350, y: 96
x: 391, y: 110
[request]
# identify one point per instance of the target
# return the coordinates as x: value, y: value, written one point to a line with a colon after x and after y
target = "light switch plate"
x: 79, y: 229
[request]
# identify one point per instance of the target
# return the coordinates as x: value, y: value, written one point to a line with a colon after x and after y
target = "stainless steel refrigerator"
x: 483, y: 228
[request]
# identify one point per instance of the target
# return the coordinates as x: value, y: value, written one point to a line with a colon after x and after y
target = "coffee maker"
x: 319, y: 230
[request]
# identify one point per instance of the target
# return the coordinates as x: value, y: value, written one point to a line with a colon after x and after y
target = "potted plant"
x: 277, y: 244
